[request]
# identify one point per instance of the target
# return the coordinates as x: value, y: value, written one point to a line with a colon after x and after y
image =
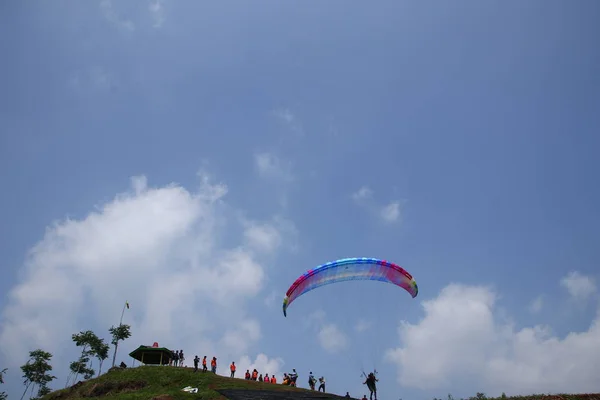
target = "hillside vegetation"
x: 165, y: 383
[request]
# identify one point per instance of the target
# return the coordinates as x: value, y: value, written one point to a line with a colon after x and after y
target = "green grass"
x: 152, y: 382
x: 160, y: 381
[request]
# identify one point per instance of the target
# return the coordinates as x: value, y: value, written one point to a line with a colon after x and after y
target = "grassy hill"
x: 165, y: 383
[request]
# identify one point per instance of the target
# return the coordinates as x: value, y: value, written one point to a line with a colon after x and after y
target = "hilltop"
x: 166, y: 383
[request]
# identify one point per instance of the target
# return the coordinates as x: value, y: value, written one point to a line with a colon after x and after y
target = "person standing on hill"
x: 181, y: 358
x: 196, y: 361
x: 213, y: 365
x: 322, y: 384
x: 267, y: 379
x: 311, y: 381
x: 232, y: 369
x: 293, y: 377
x: 204, y: 364
x: 273, y: 379
x: 175, y: 358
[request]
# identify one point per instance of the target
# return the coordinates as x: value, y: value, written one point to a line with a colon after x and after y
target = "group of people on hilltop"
x: 255, y: 376
x: 312, y: 382
x: 213, y: 364
x: 177, y: 359
x: 288, y: 378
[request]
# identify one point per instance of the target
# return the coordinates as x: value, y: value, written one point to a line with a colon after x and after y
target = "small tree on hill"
x: 89, y: 342
x: 36, y: 371
x: 121, y: 332
x: 3, y: 395
x: 100, y: 350
x: 44, y: 390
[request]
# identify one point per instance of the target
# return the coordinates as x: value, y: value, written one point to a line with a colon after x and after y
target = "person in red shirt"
x: 273, y: 379
x: 232, y: 369
x: 267, y: 378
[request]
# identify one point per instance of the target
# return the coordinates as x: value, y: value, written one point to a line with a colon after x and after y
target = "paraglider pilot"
x: 370, y: 382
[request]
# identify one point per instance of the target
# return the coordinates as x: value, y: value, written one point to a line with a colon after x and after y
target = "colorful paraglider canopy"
x: 348, y: 269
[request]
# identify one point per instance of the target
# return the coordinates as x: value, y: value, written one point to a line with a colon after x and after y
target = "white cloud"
x: 158, y: 13
x: 263, y: 364
x: 315, y: 318
x: 270, y: 166
x: 331, y: 338
x: 388, y: 213
x: 579, y: 286
x: 113, y: 17
x: 362, y: 325
x: 160, y: 249
x: 238, y: 339
x: 362, y: 194
x: 537, y: 304
x: 460, y: 343
x: 286, y: 116
x: 264, y: 237
x: 95, y: 79
x: 271, y: 299
x: 391, y: 212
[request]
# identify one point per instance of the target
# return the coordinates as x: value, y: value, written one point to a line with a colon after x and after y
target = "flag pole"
x: 120, y: 323
x: 122, y: 313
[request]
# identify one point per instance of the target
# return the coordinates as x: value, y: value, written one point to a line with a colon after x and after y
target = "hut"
x: 152, y: 355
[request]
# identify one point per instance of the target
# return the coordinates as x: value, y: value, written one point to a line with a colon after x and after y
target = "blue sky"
x: 195, y: 158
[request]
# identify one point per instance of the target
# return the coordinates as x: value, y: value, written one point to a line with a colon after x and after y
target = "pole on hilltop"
x: 126, y: 305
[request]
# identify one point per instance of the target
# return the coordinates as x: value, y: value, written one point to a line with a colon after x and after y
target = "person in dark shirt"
x: 370, y: 382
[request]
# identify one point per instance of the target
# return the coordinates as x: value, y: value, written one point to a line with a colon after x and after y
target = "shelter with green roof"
x: 152, y: 355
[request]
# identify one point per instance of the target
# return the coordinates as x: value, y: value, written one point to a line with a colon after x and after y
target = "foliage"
x: 121, y: 332
x: 100, y: 351
x: 3, y: 395
x: 36, y: 371
x: 89, y: 342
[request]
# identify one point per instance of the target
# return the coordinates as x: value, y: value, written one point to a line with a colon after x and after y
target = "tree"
x: 121, y: 332
x: 36, y: 371
x: 89, y: 342
x: 3, y: 395
x: 44, y: 390
x: 100, y: 350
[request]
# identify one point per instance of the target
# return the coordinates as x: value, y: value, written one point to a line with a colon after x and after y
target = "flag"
x: 127, y: 304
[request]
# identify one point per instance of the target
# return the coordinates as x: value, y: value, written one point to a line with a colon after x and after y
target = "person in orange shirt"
x: 273, y: 379
x: 254, y: 374
x: 204, y: 364
x: 247, y: 376
x: 213, y: 365
x: 232, y: 369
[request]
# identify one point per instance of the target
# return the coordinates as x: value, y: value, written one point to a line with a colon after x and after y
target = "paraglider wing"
x: 349, y: 269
